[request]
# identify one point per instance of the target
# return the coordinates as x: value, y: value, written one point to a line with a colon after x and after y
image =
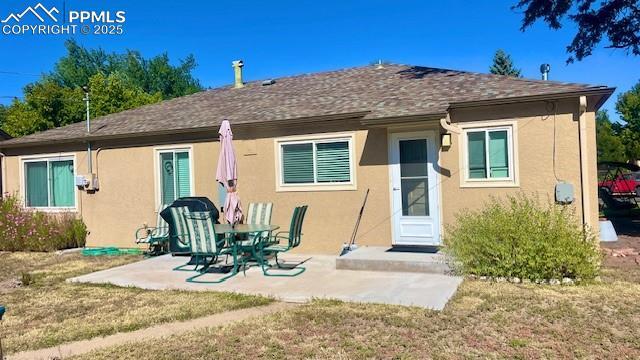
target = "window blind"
x: 477, y: 155
x: 297, y: 163
x: 332, y: 162
x: 183, y: 179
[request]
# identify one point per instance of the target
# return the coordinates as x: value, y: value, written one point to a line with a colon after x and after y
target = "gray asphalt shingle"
x: 394, y: 90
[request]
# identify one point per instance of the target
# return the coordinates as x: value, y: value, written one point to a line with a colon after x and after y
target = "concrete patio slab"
x: 321, y: 280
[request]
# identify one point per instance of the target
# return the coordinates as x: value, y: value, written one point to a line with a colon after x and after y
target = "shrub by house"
x: 520, y: 237
x: 26, y: 230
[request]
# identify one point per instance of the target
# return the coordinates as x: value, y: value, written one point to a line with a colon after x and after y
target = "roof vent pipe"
x: 237, y: 69
x: 544, y: 70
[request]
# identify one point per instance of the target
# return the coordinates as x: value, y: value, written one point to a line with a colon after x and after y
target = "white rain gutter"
x: 445, y: 122
x: 584, y: 166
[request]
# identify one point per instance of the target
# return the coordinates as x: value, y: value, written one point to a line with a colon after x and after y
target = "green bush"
x: 27, y: 230
x: 521, y: 238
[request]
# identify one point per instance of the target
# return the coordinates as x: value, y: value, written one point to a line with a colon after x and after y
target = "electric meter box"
x: 81, y: 181
x: 564, y: 193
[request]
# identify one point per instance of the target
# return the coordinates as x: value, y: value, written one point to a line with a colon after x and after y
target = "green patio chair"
x: 181, y: 233
x: 258, y: 214
x: 282, y: 242
x: 157, y: 238
x: 206, y: 246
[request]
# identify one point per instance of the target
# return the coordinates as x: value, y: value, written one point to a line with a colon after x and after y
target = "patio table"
x: 241, y: 229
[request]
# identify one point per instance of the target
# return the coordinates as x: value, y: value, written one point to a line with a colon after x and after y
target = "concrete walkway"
x: 321, y: 280
x: 80, y: 347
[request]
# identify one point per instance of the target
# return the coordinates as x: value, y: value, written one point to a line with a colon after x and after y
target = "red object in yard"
x: 623, y: 184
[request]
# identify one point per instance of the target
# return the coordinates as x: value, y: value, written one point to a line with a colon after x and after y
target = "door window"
x: 414, y: 177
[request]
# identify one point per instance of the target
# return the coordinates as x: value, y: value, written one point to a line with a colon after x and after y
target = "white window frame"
x: 315, y: 139
x: 511, y: 128
x: 158, y: 176
x: 48, y: 158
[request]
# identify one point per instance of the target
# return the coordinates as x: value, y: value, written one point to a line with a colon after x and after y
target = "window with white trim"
x: 324, y: 161
x: 174, y: 174
x: 49, y: 183
x: 489, y: 154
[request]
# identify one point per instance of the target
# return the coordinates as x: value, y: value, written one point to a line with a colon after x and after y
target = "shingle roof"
x: 391, y: 91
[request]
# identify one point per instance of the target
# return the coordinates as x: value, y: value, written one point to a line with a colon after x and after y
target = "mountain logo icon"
x: 39, y: 11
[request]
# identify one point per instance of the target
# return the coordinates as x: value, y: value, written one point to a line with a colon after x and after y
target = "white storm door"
x: 414, y: 189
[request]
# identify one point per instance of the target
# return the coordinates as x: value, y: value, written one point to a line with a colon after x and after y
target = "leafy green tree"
x: 3, y: 114
x: 54, y: 105
x: 21, y: 119
x: 57, y: 105
x: 151, y: 75
x: 158, y: 75
x: 617, y: 20
x: 503, y: 65
x: 609, y: 145
x: 117, y: 82
x: 112, y: 93
x: 48, y: 105
x: 628, y: 106
x: 80, y: 64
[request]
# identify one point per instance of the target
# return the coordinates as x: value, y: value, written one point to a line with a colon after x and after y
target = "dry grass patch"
x: 44, y: 269
x: 49, y: 311
x: 484, y: 320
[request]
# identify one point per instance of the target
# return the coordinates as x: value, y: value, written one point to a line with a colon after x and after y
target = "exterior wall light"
x: 446, y: 140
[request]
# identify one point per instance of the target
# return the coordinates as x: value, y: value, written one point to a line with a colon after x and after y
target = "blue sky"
x: 277, y: 38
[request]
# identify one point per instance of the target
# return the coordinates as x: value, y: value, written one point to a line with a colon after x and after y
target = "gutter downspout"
x: 584, y: 166
x: 89, y: 160
x: 3, y: 171
x: 445, y: 122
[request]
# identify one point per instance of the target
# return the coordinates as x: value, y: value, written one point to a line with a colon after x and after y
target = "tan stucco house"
x: 427, y: 143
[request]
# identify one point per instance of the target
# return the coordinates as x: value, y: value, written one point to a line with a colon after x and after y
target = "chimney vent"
x: 237, y: 69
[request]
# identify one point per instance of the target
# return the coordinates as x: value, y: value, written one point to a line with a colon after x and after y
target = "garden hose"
x: 110, y: 251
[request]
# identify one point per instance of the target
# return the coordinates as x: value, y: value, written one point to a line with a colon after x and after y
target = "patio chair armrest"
x: 179, y: 238
x: 139, y: 230
x: 275, y: 239
x: 160, y: 232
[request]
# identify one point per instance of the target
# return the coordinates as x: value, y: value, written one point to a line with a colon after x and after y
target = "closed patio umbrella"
x: 227, y: 174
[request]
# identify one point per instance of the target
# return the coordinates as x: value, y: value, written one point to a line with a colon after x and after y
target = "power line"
x: 18, y: 73
x: 43, y: 98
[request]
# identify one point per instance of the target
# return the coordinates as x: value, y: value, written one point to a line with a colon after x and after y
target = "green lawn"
x: 483, y: 320
x: 49, y: 311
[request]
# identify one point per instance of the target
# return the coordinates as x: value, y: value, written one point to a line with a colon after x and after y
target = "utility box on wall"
x: 564, y: 193
x: 81, y: 181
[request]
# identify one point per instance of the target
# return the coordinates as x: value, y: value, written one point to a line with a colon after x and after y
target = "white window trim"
x: 48, y: 158
x: 512, y: 135
x: 156, y: 169
x: 319, y: 138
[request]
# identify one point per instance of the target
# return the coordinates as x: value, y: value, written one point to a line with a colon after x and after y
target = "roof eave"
x: 403, y: 120
x: 212, y: 129
x: 603, y: 92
